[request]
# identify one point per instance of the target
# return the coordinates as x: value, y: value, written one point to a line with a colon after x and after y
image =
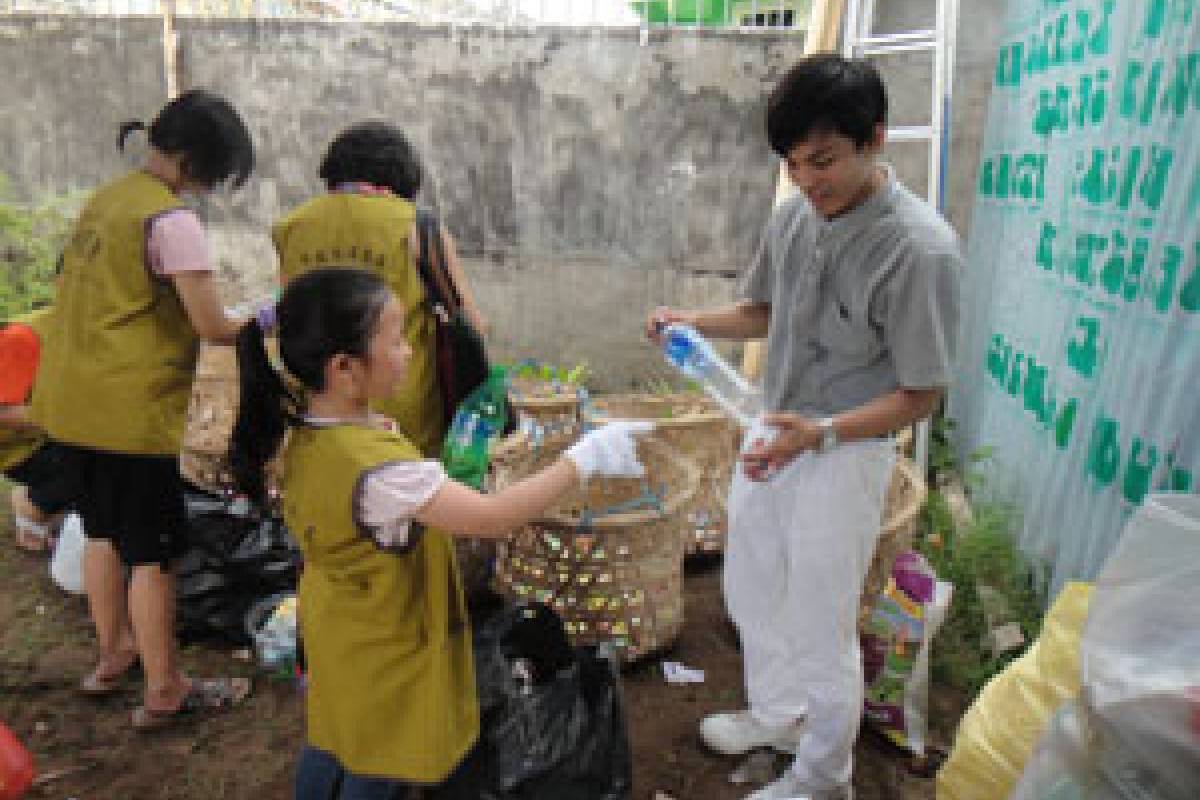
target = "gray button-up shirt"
x: 860, y: 305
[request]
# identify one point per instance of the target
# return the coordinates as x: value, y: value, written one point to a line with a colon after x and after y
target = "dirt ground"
x: 85, y: 748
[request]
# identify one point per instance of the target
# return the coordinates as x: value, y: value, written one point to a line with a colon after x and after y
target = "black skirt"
x: 133, y: 501
x: 45, y: 474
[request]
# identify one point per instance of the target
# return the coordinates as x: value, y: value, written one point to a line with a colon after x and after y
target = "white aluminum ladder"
x: 860, y: 41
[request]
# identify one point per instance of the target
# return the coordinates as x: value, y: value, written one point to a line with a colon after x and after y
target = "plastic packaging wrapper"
x: 235, y: 557
x: 273, y: 624
x: 551, y: 720
x: 1135, y: 732
x: 66, y: 565
x: 998, y: 732
x: 896, y: 643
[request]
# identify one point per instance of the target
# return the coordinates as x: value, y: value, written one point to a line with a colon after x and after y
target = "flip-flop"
x: 212, y: 694
x: 98, y: 685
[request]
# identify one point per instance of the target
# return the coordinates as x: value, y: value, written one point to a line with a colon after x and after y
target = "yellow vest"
x: 391, y: 684
x: 18, y: 444
x: 116, y: 373
x: 372, y: 232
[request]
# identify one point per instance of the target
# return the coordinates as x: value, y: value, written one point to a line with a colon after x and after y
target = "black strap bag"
x: 460, y: 355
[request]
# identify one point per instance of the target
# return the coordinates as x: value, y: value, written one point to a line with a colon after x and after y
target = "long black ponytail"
x: 321, y: 314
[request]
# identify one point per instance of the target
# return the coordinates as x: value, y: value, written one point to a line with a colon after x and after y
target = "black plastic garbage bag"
x: 551, y: 721
x: 236, y: 556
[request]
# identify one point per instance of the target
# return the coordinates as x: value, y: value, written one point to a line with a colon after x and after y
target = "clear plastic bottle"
x: 694, y: 356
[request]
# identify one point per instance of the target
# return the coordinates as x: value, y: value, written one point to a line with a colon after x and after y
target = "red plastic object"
x: 19, y: 352
x: 16, y: 766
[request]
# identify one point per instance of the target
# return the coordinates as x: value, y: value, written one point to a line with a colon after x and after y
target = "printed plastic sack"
x: 66, y: 566
x: 236, y: 556
x: 551, y: 721
x: 997, y: 734
x: 896, y: 642
x: 16, y: 766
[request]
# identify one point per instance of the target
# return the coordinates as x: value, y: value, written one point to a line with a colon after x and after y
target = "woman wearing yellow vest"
x: 135, y: 294
x: 391, y: 691
x: 367, y: 220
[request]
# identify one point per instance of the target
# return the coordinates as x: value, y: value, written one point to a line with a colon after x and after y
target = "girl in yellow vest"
x: 367, y: 219
x: 135, y: 294
x: 391, y: 692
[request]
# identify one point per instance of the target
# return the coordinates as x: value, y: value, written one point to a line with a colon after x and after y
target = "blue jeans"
x: 319, y: 776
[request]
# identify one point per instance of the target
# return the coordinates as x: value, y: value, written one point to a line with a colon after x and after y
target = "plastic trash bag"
x: 66, y: 565
x: 896, y: 645
x: 997, y: 734
x: 1080, y: 757
x: 1141, y: 645
x: 1135, y: 732
x: 551, y: 721
x: 236, y: 556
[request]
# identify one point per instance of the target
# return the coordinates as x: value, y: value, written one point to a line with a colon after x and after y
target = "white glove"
x: 609, y: 450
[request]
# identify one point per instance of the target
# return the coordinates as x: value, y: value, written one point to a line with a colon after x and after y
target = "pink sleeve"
x: 176, y: 243
x: 393, y: 494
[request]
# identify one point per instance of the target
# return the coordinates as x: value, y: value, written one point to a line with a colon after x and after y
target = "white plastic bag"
x: 1134, y: 734
x: 1140, y: 652
x: 66, y: 567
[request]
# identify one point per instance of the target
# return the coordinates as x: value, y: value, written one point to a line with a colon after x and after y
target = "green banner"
x: 1081, y: 354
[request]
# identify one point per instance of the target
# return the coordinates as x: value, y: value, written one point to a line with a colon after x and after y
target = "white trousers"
x: 799, y: 548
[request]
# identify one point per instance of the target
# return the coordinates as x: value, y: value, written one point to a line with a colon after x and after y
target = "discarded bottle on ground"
x: 694, y: 356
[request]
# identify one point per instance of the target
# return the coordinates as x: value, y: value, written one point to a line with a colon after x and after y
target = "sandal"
x: 213, y: 694
x: 33, y: 537
x: 98, y: 684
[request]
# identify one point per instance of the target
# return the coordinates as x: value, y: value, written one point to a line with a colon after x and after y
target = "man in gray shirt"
x: 856, y: 288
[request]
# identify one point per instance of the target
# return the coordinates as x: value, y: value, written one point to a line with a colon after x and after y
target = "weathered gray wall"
x: 66, y: 84
x: 587, y: 175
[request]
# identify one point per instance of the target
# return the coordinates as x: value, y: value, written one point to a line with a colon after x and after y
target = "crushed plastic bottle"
x: 695, y: 357
x: 478, y: 422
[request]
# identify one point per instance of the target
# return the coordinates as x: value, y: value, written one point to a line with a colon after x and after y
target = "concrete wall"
x: 587, y: 175
x: 68, y: 83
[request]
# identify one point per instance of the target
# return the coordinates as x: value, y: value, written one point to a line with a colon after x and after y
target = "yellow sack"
x: 997, y: 734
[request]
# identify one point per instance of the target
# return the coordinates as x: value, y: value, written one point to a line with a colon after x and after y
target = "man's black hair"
x: 826, y: 93
x: 206, y: 131
x: 373, y: 152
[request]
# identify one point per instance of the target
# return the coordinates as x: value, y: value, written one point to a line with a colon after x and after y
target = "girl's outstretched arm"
x: 461, y: 510
x: 609, y: 450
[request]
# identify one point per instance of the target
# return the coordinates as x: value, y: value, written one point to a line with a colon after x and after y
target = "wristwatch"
x: 829, y: 436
